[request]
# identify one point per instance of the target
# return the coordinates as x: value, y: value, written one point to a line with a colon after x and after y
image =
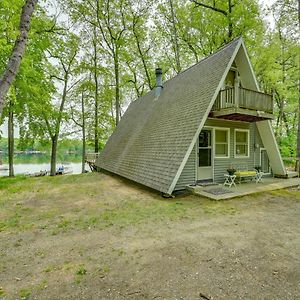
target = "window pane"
x: 221, y: 150
x: 205, y: 138
x: 221, y: 136
x: 204, y: 157
x: 242, y: 150
x: 241, y: 136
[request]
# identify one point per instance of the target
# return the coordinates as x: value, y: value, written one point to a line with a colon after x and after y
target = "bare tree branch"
x: 197, y: 3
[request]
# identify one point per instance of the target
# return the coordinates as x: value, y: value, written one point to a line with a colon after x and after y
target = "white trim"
x: 276, y: 146
x: 276, y: 162
x: 264, y: 149
x: 228, y: 141
x: 260, y: 148
x: 250, y: 66
x: 211, y: 128
x: 190, y: 148
x: 196, y: 163
x: 234, y: 143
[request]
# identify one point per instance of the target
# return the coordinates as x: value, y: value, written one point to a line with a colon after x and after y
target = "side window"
x: 222, y: 143
x: 241, y: 143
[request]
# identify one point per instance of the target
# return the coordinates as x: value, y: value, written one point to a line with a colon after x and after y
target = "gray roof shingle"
x: 153, y: 136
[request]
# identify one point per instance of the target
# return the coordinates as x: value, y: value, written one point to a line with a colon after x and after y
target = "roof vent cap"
x: 159, y: 86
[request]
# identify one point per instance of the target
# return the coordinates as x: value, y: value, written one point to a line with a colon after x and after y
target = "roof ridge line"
x: 206, y: 57
x: 194, y: 65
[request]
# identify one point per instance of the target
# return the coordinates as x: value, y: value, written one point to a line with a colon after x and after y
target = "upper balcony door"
x: 231, y: 82
x: 231, y: 78
x: 205, y: 168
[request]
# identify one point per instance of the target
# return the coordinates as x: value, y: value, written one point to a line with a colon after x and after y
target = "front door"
x: 205, y: 155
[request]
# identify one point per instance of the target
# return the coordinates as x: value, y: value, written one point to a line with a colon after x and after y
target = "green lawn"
x: 60, y: 204
x: 95, y: 236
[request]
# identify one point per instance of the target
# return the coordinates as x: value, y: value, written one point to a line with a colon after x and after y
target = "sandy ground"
x: 142, y: 246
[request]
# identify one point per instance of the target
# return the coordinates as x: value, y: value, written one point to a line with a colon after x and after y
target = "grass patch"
x: 2, y: 292
x: 9, y: 182
x: 131, y: 213
x: 219, y: 208
x: 292, y: 193
x: 61, y: 204
x: 81, y: 270
x: 24, y: 294
x: 109, y: 230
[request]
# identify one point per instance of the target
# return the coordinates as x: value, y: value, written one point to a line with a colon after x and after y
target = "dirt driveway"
x: 100, y: 237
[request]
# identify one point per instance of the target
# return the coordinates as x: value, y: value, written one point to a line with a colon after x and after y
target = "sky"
x: 264, y: 3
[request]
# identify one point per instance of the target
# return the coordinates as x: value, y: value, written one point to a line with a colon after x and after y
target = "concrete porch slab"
x: 221, y: 192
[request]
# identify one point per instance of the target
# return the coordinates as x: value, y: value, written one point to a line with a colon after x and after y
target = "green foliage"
x: 24, y: 294
x: 277, y: 67
x: 65, y: 145
x: 81, y: 271
x: 6, y: 183
x: 119, y: 44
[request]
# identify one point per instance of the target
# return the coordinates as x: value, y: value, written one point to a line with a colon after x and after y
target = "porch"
x: 220, y: 192
x: 241, y: 104
x: 90, y: 159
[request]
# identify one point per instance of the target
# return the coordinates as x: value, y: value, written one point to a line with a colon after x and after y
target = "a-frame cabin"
x: 196, y: 125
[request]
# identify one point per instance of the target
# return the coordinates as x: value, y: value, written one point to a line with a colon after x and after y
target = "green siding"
x: 188, y: 175
x: 222, y: 164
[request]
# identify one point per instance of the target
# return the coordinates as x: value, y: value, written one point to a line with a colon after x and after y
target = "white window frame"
x: 213, y: 152
x: 228, y: 142
x: 248, y: 135
x: 264, y: 149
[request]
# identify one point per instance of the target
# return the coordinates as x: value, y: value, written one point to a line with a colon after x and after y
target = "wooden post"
x: 297, y: 166
x: 236, y: 89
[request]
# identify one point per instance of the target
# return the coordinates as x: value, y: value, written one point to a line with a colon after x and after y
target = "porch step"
x: 206, y: 183
x: 289, y: 174
x: 199, y: 186
x: 292, y: 174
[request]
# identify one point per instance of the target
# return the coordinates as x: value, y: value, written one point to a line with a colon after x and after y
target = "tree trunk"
x: 117, y: 104
x: 18, y: 51
x: 54, y: 138
x: 54, y: 141
x: 142, y: 58
x: 298, y: 138
x: 298, y: 135
x: 175, y: 39
x: 230, y: 25
x: 11, y: 141
x: 96, y: 123
x: 83, y: 134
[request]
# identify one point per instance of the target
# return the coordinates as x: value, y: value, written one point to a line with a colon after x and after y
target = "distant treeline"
x: 71, y: 146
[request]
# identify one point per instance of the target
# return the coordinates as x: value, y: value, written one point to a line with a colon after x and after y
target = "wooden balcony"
x: 242, y: 104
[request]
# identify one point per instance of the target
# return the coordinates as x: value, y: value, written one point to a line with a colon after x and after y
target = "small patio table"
x: 229, y: 180
x: 259, y: 176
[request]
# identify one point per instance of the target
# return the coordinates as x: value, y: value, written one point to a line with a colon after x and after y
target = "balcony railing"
x: 244, y: 98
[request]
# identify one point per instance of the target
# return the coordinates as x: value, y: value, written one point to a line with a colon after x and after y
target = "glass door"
x: 264, y: 161
x: 205, y: 155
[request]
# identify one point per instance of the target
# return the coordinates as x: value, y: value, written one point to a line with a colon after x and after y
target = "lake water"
x: 32, y: 163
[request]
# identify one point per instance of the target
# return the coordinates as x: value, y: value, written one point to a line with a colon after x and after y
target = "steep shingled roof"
x: 155, y: 135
